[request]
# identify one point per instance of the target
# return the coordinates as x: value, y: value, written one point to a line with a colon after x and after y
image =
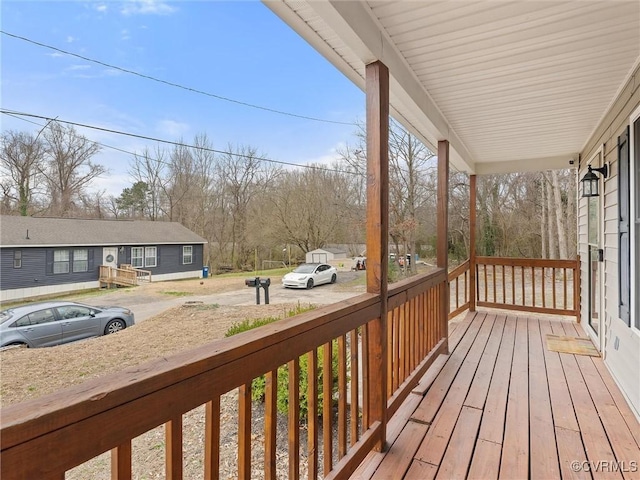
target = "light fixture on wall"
x: 590, y: 181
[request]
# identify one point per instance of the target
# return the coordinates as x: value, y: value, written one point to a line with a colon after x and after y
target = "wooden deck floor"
x: 501, y: 405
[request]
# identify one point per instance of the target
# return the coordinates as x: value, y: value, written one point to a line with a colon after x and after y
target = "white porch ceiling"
x: 513, y: 85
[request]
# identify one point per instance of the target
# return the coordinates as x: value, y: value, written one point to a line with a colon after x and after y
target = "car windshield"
x: 306, y: 268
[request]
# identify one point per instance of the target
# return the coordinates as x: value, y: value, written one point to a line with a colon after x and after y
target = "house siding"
x: 33, y: 279
x: 33, y: 272
x: 621, y: 350
x: 169, y: 258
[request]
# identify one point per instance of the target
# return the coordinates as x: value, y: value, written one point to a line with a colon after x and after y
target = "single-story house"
x: 325, y: 255
x: 44, y: 256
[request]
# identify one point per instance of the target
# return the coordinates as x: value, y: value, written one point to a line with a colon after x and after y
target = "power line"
x: 172, y: 84
x: 16, y: 114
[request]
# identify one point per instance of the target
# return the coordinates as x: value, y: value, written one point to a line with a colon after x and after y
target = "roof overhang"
x: 513, y: 86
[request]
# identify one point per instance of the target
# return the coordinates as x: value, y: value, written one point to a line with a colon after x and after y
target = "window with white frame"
x: 61, y: 261
x: 187, y: 255
x: 80, y: 260
x: 137, y: 257
x: 150, y: 256
x: 17, y: 259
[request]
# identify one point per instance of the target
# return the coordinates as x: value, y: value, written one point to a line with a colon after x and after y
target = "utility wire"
x: 172, y: 84
x: 16, y: 114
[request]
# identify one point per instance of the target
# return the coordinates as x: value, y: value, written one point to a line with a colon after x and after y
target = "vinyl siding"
x: 33, y: 272
x: 622, y: 344
x: 32, y: 277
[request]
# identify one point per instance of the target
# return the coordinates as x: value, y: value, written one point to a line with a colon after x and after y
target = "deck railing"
x: 43, y: 438
x: 126, y: 275
x: 459, y: 289
x: 529, y: 284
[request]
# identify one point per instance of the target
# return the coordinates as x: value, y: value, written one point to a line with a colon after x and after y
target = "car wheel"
x: 17, y: 345
x: 114, y: 326
x: 334, y: 277
x: 310, y: 284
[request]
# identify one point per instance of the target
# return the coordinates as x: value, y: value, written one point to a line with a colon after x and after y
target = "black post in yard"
x: 257, y: 290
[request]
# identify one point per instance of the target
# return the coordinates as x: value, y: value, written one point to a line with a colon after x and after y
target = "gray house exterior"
x: 45, y: 256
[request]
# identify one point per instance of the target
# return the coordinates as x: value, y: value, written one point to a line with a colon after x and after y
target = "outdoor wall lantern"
x: 590, y: 181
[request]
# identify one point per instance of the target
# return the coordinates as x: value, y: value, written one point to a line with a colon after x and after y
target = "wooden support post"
x: 377, y: 94
x: 472, y: 242
x: 442, y: 249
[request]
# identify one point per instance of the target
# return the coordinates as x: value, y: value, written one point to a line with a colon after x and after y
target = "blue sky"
x: 239, y: 50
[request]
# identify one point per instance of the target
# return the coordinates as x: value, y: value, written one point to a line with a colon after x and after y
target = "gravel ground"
x: 30, y: 373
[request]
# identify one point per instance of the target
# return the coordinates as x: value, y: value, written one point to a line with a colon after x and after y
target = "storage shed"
x: 325, y: 255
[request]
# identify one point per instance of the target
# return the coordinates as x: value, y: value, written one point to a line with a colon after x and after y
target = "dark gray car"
x: 45, y: 324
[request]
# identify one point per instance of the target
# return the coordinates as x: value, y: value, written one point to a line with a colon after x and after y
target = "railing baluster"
x: 394, y: 351
x: 553, y: 280
x: 403, y: 334
x: 392, y: 354
x: 365, y: 376
x: 564, y: 281
x: 533, y: 286
x: 522, y: 282
x: 486, y: 283
x: 495, y: 293
x: 544, y: 304
x: 244, y: 431
x: 513, y: 284
x: 121, y: 462
x: 342, y: 396
x: 355, y: 400
x: 271, y: 423
x: 212, y: 439
x: 173, y: 455
x: 504, y: 292
x: 294, y: 417
x: 327, y: 393
x: 312, y: 413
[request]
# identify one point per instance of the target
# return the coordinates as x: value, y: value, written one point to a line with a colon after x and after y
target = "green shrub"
x: 259, y: 384
x: 251, y: 323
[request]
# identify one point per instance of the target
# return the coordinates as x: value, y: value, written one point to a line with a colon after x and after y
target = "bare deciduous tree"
x: 69, y: 169
x: 22, y: 157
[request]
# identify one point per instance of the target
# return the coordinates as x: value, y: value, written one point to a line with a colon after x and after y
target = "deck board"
x: 492, y: 428
x: 435, y: 443
x: 563, y: 413
x: 593, y: 435
x: 503, y: 406
x: 457, y: 458
x: 515, y: 447
x: 427, y: 410
x: 541, y: 438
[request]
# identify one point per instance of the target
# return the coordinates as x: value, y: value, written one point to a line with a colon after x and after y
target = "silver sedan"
x: 309, y: 275
x: 46, y: 324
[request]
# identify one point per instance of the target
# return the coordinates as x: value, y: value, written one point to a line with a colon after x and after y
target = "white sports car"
x: 309, y: 275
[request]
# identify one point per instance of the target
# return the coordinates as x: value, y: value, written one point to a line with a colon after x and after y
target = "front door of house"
x: 595, y: 259
x: 110, y: 257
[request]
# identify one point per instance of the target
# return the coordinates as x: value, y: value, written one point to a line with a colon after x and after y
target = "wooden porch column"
x: 377, y: 93
x: 442, y: 248
x: 472, y: 242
